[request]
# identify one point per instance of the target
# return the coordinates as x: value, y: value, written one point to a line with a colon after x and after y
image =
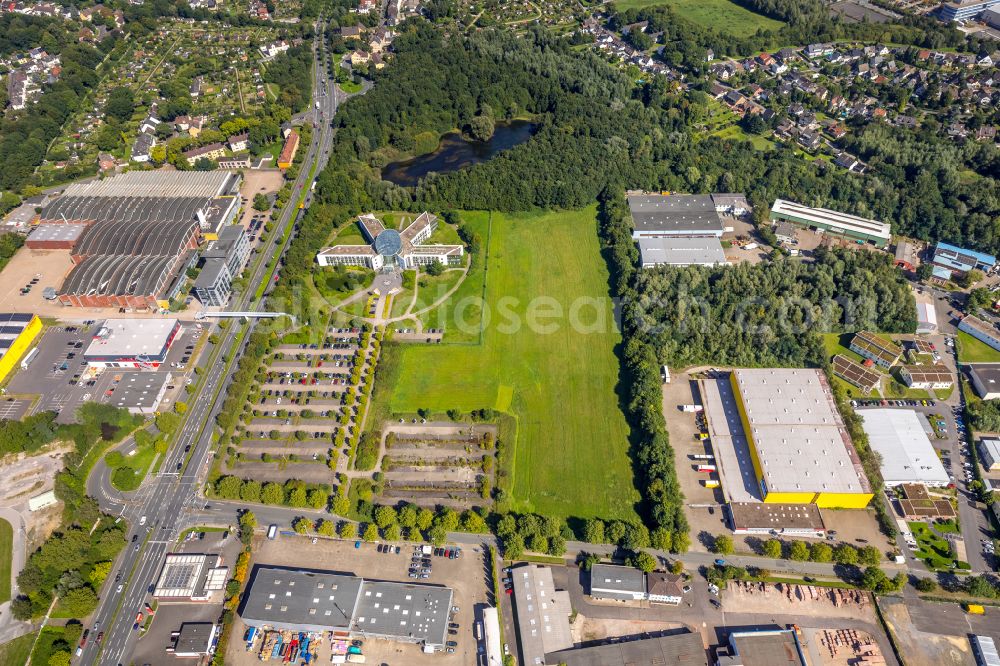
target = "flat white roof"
x: 831, y: 218
x: 907, y: 454
x: 131, y: 337
x: 682, y: 251
x: 798, y: 433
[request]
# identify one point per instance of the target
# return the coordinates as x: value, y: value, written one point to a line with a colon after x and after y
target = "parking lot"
x: 58, y: 380
x: 170, y: 616
x: 467, y: 576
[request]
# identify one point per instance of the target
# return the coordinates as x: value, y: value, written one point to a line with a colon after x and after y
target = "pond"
x: 457, y: 152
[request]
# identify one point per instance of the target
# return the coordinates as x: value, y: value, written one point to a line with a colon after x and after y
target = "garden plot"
x: 439, y: 464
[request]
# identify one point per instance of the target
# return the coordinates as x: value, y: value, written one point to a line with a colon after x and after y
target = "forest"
x: 769, y: 313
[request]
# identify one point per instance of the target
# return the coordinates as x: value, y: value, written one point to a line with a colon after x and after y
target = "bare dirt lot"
x: 585, y: 629
x: 922, y: 648
x: 804, y: 600
x: 467, y: 576
x: 50, y: 266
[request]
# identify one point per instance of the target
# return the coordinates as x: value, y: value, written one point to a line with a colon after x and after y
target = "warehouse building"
x: 195, y: 639
x: 989, y: 453
x: 309, y: 600
x: 680, y: 649
x: 619, y: 583
x: 936, y: 376
x: 140, y: 392
x: 907, y: 256
x: 927, y: 321
x: 794, y: 520
x: 985, y: 379
x: 762, y: 648
x: 882, y: 352
x: 397, y: 249
x: 142, y: 230
x: 856, y: 374
x: 190, y: 577
x: 954, y: 260
x: 799, y: 447
x: 542, y: 613
x: 132, y: 343
x: 209, y: 197
x: 18, y: 331
x: 832, y: 222
x: 980, y: 330
x: 657, y: 215
x: 681, y: 251
x: 902, y: 442
x: 223, y: 261
x: 54, y: 236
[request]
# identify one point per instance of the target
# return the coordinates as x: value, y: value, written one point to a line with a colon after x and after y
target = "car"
x: 142, y: 521
x: 452, y: 643
x: 119, y: 590
x: 425, y: 575
x: 136, y: 549
x: 180, y: 465
x: 454, y: 625
x: 687, y: 588
x: 379, y: 548
x: 509, y: 590
x: 506, y: 649
x: 135, y: 537
x: 452, y: 632
x: 413, y: 574
x: 357, y: 544
x: 450, y: 650
x: 719, y: 562
x: 715, y: 602
x: 100, y: 637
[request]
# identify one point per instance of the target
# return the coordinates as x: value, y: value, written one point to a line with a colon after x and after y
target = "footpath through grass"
x: 6, y: 556
x: 721, y: 15
x: 546, y: 357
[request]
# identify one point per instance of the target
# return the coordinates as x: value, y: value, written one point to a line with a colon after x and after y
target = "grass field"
x: 571, y: 456
x: 17, y: 650
x: 736, y: 133
x: 720, y: 15
x: 6, y: 553
x: 971, y: 350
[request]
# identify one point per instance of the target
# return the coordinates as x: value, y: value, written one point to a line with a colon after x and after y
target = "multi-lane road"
x: 167, y: 500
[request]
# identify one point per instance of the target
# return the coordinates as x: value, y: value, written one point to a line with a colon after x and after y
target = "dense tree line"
x: 20, y: 34
x: 291, y: 71
x: 769, y: 313
x: 29, y: 434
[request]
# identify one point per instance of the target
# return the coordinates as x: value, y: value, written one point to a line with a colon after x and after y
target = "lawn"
x: 55, y: 639
x: 17, y: 650
x: 139, y: 463
x: 971, y: 350
x: 557, y: 380
x: 6, y: 553
x: 736, y: 133
x: 932, y: 548
x: 721, y: 15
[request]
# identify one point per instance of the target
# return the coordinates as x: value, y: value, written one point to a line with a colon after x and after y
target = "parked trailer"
x: 272, y: 532
x: 706, y: 468
x: 710, y: 483
x: 692, y: 408
x: 26, y: 361
x: 703, y: 456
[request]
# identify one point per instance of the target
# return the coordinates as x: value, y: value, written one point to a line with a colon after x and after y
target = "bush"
x: 925, y: 585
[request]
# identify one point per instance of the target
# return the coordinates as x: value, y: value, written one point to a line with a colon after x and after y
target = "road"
x: 165, y: 499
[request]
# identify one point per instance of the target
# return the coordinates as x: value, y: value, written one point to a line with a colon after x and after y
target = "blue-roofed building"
x: 953, y: 259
